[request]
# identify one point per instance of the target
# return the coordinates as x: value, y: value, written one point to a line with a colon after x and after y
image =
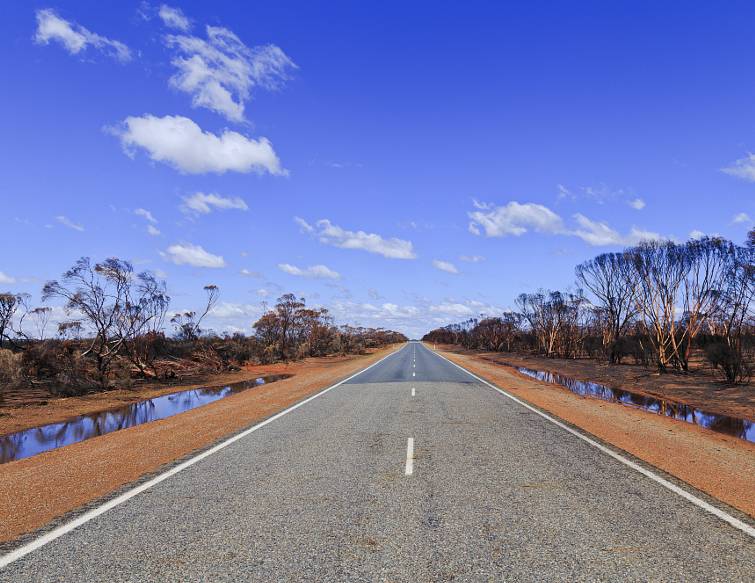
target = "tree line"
x: 655, y: 302
x: 120, y: 327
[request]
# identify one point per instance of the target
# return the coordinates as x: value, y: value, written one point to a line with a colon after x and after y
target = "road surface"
x: 411, y: 471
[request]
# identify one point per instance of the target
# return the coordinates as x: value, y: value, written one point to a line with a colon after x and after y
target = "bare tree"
x: 187, y: 324
x: 41, y: 317
x: 606, y: 276
x: 98, y: 292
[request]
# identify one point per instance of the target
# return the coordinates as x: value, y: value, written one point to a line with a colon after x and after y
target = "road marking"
x: 414, y: 374
x: 46, y: 538
x: 735, y: 522
x: 412, y: 391
x: 409, y: 457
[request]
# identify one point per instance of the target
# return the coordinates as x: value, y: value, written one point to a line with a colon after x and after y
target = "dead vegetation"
x: 118, y: 333
x: 660, y: 303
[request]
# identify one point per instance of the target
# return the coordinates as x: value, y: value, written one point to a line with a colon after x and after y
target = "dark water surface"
x: 29, y: 442
x: 735, y: 426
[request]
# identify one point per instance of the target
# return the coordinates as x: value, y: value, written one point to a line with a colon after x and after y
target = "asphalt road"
x: 322, y: 493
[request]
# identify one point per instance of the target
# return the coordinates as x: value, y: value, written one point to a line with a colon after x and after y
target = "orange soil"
x: 39, y: 489
x: 720, y: 465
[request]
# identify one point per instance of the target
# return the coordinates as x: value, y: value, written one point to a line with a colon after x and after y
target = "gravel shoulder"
x: 719, y: 465
x: 37, y: 490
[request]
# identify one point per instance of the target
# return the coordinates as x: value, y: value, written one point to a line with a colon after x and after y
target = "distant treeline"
x: 654, y: 302
x: 120, y: 327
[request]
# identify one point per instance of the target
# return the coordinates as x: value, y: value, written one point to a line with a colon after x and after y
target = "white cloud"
x: 331, y: 234
x: 152, y: 230
x: 248, y: 273
x: 741, y: 218
x: 74, y: 37
x: 696, y: 234
x: 194, y: 255
x: 202, y: 203
x: 181, y: 143
x: 595, y: 232
x: 516, y: 219
x: 472, y: 258
x: 637, y: 204
x: 144, y: 213
x: 221, y: 71
x: 6, y: 279
x: 598, y: 233
x: 743, y: 168
x: 513, y: 219
x: 305, y: 226
x: 66, y: 222
x: 315, y: 271
x: 174, y: 18
x: 446, y: 266
x: 226, y: 310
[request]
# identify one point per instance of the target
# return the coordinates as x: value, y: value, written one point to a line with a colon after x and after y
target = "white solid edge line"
x: 46, y: 538
x: 409, y: 457
x: 735, y: 522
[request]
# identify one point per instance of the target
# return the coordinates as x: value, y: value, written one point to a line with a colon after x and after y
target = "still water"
x: 741, y: 428
x: 23, y: 444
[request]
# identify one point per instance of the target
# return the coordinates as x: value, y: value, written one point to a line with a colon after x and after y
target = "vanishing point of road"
x: 412, y: 470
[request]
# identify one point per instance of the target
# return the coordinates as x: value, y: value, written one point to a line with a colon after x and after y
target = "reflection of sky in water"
x: 22, y: 444
x: 723, y: 424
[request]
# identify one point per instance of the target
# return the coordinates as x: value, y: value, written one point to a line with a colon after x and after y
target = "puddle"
x: 29, y: 442
x: 735, y: 426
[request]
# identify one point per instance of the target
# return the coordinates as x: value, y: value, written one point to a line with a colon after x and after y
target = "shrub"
x: 729, y: 361
x: 10, y: 370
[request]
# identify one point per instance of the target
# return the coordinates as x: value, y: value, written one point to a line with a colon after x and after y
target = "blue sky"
x: 404, y: 164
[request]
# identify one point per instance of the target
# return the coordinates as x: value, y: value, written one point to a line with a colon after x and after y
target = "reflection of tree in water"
x: 728, y: 425
x: 10, y: 446
x: 36, y: 440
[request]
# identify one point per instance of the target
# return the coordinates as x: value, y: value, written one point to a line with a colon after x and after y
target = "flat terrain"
x: 36, y: 490
x: 332, y: 491
x: 27, y: 407
x: 701, y: 388
x: 720, y: 465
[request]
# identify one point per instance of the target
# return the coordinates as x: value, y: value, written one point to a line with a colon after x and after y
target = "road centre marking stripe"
x: 409, y: 457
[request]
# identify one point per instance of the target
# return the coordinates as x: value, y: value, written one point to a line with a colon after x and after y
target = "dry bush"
x: 10, y: 370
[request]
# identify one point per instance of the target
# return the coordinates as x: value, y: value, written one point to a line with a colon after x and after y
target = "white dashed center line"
x: 409, y: 457
x: 412, y: 391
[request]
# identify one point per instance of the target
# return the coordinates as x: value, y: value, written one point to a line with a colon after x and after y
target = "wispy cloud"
x: 743, y: 168
x: 741, y: 218
x: 153, y: 230
x: 194, y: 255
x: 181, y: 143
x: 315, y: 271
x: 472, y: 258
x: 331, y: 234
x: 174, y: 18
x: 75, y: 38
x: 201, y: 203
x: 145, y: 214
x: 66, y: 222
x: 637, y: 204
x: 6, y: 279
x: 515, y: 219
x: 446, y: 266
x: 220, y: 72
